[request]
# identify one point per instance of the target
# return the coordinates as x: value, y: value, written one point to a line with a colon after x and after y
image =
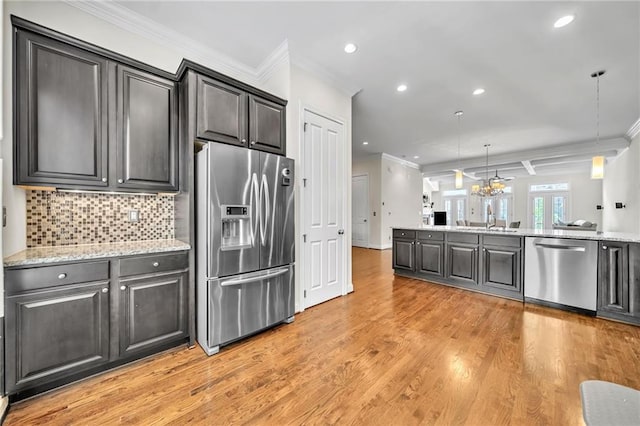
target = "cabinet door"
x: 61, y: 114
x: 221, y: 114
x: 430, y: 258
x: 463, y: 263
x: 153, y: 311
x: 147, y: 131
x: 403, y: 254
x: 55, y: 333
x: 501, y: 268
x: 267, y: 126
x: 613, y: 282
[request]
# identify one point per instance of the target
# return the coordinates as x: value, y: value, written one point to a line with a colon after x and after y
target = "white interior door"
x: 360, y: 211
x: 322, y: 215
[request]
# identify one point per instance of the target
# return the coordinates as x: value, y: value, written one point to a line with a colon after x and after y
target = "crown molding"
x: 400, y: 161
x: 138, y: 24
x: 196, y: 51
x: 324, y: 75
x: 634, y: 130
x: 280, y: 55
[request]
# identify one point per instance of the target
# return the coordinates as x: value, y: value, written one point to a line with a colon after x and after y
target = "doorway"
x: 322, y: 209
x: 360, y: 211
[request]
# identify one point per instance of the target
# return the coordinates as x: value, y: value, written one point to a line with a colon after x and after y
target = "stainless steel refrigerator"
x: 244, y: 243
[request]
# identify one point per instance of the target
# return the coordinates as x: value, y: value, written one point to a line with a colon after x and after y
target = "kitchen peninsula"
x: 494, y: 261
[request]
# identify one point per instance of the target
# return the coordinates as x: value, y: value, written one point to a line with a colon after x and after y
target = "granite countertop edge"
x: 543, y: 233
x: 58, y: 254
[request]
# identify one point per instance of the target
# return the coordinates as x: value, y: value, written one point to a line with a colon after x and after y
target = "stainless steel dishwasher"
x: 561, y: 271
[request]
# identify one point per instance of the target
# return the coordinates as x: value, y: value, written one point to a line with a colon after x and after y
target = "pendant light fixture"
x: 489, y: 187
x: 597, y: 162
x: 459, y: 182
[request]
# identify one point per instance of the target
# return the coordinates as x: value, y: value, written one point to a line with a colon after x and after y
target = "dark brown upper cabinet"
x: 221, y: 112
x: 231, y: 115
x: 267, y: 130
x: 147, y: 131
x: 85, y: 120
x: 61, y: 114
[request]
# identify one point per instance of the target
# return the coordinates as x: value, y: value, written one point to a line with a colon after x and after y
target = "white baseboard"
x: 380, y: 246
x: 349, y: 288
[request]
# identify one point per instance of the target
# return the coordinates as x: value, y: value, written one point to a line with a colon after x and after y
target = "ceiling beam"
x: 527, y: 165
x: 567, y: 150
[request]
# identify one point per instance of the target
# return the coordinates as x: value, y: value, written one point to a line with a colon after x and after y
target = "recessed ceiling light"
x: 402, y: 88
x: 478, y: 91
x: 565, y: 20
x: 365, y: 143
x: 350, y: 48
x: 415, y: 157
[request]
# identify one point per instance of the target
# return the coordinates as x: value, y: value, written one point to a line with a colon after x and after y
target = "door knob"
x: 340, y: 231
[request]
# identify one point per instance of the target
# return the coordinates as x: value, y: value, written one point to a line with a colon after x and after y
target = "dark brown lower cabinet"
x: 153, y: 311
x: 430, y: 258
x: 67, y: 321
x: 501, y: 270
x: 54, y: 333
x: 404, y: 254
x: 619, y: 281
x: 462, y: 261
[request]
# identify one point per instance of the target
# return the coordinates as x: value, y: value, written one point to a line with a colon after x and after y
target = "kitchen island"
x: 492, y: 261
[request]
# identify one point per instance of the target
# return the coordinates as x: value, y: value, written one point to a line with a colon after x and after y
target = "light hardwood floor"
x: 397, y: 351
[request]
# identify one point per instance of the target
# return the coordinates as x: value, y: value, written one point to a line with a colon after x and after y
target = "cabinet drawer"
x: 19, y: 280
x: 403, y: 233
x: 455, y: 237
x: 433, y: 236
x: 155, y: 263
x: 501, y: 241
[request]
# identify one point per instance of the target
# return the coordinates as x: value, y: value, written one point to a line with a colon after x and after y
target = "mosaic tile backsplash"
x: 62, y: 218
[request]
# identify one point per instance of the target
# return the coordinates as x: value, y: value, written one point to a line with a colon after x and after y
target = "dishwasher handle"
x: 556, y: 247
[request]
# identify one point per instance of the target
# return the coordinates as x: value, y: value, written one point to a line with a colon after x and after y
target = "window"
x: 548, y: 204
x: 501, y: 206
x: 455, y: 204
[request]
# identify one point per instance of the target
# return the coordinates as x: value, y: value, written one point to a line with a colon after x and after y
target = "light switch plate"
x: 134, y: 215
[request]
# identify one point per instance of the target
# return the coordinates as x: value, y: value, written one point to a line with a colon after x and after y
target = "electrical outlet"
x: 134, y: 215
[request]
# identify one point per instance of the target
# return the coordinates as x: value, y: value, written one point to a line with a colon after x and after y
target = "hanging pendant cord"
x: 598, y: 110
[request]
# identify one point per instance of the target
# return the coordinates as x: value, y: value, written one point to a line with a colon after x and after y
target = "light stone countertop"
x: 523, y: 232
x: 54, y: 254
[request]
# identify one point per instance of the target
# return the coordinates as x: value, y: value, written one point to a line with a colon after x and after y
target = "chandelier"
x: 488, y: 187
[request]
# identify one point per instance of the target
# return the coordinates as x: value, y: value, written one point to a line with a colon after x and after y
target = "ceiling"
x: 539, y: 93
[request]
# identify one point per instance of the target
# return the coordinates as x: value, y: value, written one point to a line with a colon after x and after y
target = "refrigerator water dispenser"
x: 236, y: 227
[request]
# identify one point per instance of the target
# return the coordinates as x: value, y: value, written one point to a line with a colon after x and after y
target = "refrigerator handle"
x: 255, y: 199
x: 264, y: 200
x: 267, y: 208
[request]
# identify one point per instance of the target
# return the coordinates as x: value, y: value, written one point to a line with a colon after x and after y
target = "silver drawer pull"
x: 429, y: 235
x: 402, y: 233
x: 254, y: 279
x: 156, y: 264
x: 62, y: 276
x: 105, y: 290
x: 123, y: 287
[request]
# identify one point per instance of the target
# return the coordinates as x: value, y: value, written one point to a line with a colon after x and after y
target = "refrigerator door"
x: 244, y: 304
x: 276, y: 227
x: 232, y: 214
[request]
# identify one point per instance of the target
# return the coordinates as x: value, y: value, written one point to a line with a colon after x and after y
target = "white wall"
x: 401, y: 197
x: 585, y: 195
x: 395, y: 195
x: 372, y: 166
x: 622, y: 184
x: 312, y: 92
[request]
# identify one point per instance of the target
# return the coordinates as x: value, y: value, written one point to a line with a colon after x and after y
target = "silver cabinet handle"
x: 156, y: 264
x: 418, y: 243
x: 413, y: 242
x: 244, y: 140
x: 120, y: 181
x: 123, y: 287
x: 254, y: 279
x: 604, y: 247
x: 104, y: 179
x: 429, y: 235
x: 62, y: 276
x: 105, y: 290
x: 253, y: 142
x: 402, y: 233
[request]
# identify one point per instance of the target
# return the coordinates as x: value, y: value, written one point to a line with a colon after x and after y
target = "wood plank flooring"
x: 397, y: 351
